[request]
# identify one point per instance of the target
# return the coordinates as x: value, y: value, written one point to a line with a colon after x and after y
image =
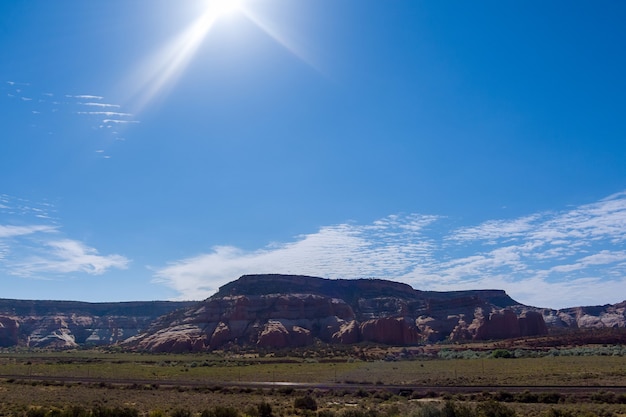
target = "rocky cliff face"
x: 595, y: 317
x: 65, y: 324
x: 275, y: 311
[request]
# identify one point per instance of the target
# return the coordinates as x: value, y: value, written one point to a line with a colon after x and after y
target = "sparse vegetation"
x: 356, y: 382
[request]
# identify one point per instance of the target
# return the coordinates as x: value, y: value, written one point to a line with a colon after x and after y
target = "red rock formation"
x: 347, y: 334
x: 390, y: 331
x: 220, y: 336
x: 276, y: 335
x: 9, y: 331
x: 505, y: 324
x: 500, y: 325
x: 378, y: 311
x: 531, y: 323
x: 68, y: 324
x: 282, y: 311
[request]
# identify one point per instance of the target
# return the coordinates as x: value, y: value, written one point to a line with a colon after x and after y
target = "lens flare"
x: 160, y: 71
x: 221, y: 8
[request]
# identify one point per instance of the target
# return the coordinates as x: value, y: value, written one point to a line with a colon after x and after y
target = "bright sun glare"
x: 219, y: 8
x: 162, y: 69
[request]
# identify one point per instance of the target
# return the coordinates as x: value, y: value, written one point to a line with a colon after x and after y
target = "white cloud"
x: 67, y: 256
x: 556, y: 259
x: 100, y: 105
x: 387, y: 247
x: 41, y: 250
x: 495, y: 229
x: 37, y: 103
x: 85, y: 97
x: 119, y: 121
x: 10, y: 231
x: 106, y: 113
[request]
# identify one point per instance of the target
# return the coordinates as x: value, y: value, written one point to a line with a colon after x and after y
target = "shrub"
x: 504, y: 396
x: 494, y: 409
x: 305, y: 403
x: 359, y: 413
x: 180, y: 412
x: 451, y: 409
x: 76, y: 411
x: 527, y: 397
x: 36, y: 412
x: 604, y: 397
x: 558, y: 413
x: 286, y: 390
x: 501, y: 353
x: 220, y: 411
x: 361, y: 393
x: 428, y: 410
x: 113, y: 412
x: 549, y: 397
x: 264, y: 410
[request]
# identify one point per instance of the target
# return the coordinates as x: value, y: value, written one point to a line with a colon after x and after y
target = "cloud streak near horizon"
x: 551, y: 259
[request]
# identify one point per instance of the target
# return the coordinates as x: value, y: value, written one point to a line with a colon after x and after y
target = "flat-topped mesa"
x: 347, y: 289
x: 278, y: 311
x: 459, y: 299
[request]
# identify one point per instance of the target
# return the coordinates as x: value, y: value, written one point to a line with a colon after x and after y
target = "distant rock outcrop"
x: 65, y: 324
x: 595, y: 317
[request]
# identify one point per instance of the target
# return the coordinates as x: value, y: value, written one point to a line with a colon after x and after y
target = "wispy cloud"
x: 7, y: 232
x: 106, y: 113
x: 85, y: 97
x: 556, y: 259
x: 90, y: 104
x: 66, y: 256
x: 340, y: 251
x: 47, y: 106
x: 36, y: 247
x: 119, y: 121
x: 22, y: 208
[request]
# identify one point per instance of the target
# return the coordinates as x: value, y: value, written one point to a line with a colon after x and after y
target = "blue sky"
x: 154, y: 149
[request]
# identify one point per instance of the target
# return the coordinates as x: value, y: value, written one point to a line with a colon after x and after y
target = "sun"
x: 159, y: 71
x: 221, y: 8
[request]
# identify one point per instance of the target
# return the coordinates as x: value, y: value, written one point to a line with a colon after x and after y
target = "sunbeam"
x: 160, y: 72
x: 162, y: 69
x: 279, y: 38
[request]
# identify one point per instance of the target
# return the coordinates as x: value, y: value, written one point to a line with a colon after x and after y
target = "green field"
x: 151, y: 383
x: 212, y: 368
